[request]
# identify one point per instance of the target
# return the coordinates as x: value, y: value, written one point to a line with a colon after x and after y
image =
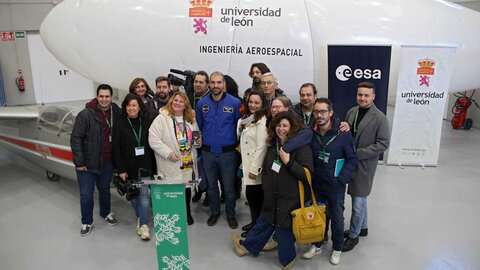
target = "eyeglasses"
x: 322, y: 112
x: 267, y: 83
x: 277, y: 107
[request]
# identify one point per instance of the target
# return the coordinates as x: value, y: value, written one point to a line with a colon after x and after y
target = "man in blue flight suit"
x: 217, y: 115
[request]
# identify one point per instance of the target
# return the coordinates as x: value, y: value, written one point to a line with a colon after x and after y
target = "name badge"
x: 183, y: 142
x: 324, y: 156
x: 139, y: 151
x: 276, y: 166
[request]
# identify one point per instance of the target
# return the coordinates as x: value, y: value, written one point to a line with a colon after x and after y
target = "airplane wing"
x: 18, y: 113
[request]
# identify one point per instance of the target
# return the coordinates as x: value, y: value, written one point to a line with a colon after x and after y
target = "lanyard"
x: 138, y: 136
x: 277, y: 155
x: 109, y: 124
x: 306, y: 118
x: 325, y: 145
x: 184, y: 130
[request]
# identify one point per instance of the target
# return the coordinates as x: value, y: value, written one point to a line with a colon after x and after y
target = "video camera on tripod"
x: 187, y: 82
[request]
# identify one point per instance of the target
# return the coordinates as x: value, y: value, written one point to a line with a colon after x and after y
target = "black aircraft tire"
x: 53, y: 177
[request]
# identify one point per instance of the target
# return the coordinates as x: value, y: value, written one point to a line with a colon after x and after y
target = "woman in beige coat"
x: 252, y: 133
x: 171, y: 138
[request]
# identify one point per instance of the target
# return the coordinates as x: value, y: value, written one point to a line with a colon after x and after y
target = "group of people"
x: 199, y: 134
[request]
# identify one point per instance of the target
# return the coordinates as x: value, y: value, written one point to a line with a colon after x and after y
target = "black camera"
x: 126, y: 188
x: 187, y: 82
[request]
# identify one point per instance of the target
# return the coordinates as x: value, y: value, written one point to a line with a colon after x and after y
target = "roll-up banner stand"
x: 423, y: 83
x: 170, y: 223
x: 349, y: 65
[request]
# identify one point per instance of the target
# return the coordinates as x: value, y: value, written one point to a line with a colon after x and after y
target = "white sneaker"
x: 144, y: 232
x: 138, y: 226
x: 335, y: 258
x: 312, y: 252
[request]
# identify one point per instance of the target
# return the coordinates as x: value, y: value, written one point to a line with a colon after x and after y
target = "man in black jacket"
x: 91, y: 144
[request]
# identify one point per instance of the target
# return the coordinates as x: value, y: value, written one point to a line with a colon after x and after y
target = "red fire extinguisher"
x: 460, y: 109
x: 20, y: 82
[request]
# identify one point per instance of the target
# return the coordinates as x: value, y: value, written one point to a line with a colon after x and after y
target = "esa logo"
x: 344, y: 73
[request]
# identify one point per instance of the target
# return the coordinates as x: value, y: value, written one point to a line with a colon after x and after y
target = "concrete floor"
x: 418, y: 219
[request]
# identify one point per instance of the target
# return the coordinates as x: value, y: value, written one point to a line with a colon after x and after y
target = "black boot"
x: 188, y: 196
x: 198, y: 195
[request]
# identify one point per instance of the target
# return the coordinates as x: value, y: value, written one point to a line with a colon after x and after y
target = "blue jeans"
x: 358, y: 219
x: 140, y: 205
x: 203, y: 185
x: 335, y: 206
x: 86, y: 183
x: 261, y: 232
x: 216, y: 165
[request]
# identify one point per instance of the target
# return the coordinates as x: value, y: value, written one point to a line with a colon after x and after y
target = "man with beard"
x: 256, y: 71
x: 308, y: 93
x: 335, y: 159
x: 161, y: 97
x: 370, y: 129
x: 217, y: 115
x: 200, y: 88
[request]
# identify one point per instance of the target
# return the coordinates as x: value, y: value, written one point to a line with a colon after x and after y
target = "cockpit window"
x: 58, y: 118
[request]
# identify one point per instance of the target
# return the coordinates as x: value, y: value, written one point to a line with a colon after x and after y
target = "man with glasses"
x: 335, y: 159
x: 269, y: 86
x: 370, y: 129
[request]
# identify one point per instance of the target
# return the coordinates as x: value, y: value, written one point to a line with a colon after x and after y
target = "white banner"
x: 424, y: 78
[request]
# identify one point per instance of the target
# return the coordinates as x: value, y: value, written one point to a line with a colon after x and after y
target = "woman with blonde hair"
x: 171, y: 138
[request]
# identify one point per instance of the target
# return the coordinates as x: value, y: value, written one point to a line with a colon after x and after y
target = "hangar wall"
x: 27, y: 15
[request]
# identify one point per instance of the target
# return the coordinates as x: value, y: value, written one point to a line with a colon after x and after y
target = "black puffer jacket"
x: 86, y: 140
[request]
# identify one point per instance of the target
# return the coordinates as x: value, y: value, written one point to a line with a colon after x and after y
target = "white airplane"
x: 113, y: 41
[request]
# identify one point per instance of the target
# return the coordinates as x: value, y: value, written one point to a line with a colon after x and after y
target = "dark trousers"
x: 87, y: 182
x: 261, y: 232
x: 254, y: 194
x: 335, y: 206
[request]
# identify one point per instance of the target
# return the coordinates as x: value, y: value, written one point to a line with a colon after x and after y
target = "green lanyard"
x: 277, y: 152
x: 138, y: 136
x: 325, y: 145
x: 109, y: 124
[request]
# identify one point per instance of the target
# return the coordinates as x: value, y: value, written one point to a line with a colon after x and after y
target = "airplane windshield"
x: 59, y: 119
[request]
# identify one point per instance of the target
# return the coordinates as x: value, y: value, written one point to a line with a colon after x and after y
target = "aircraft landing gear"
x: 53, y: 176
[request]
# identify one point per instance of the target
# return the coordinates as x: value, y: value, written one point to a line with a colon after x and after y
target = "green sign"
x: 170, y: 222
x: 19, y: 34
